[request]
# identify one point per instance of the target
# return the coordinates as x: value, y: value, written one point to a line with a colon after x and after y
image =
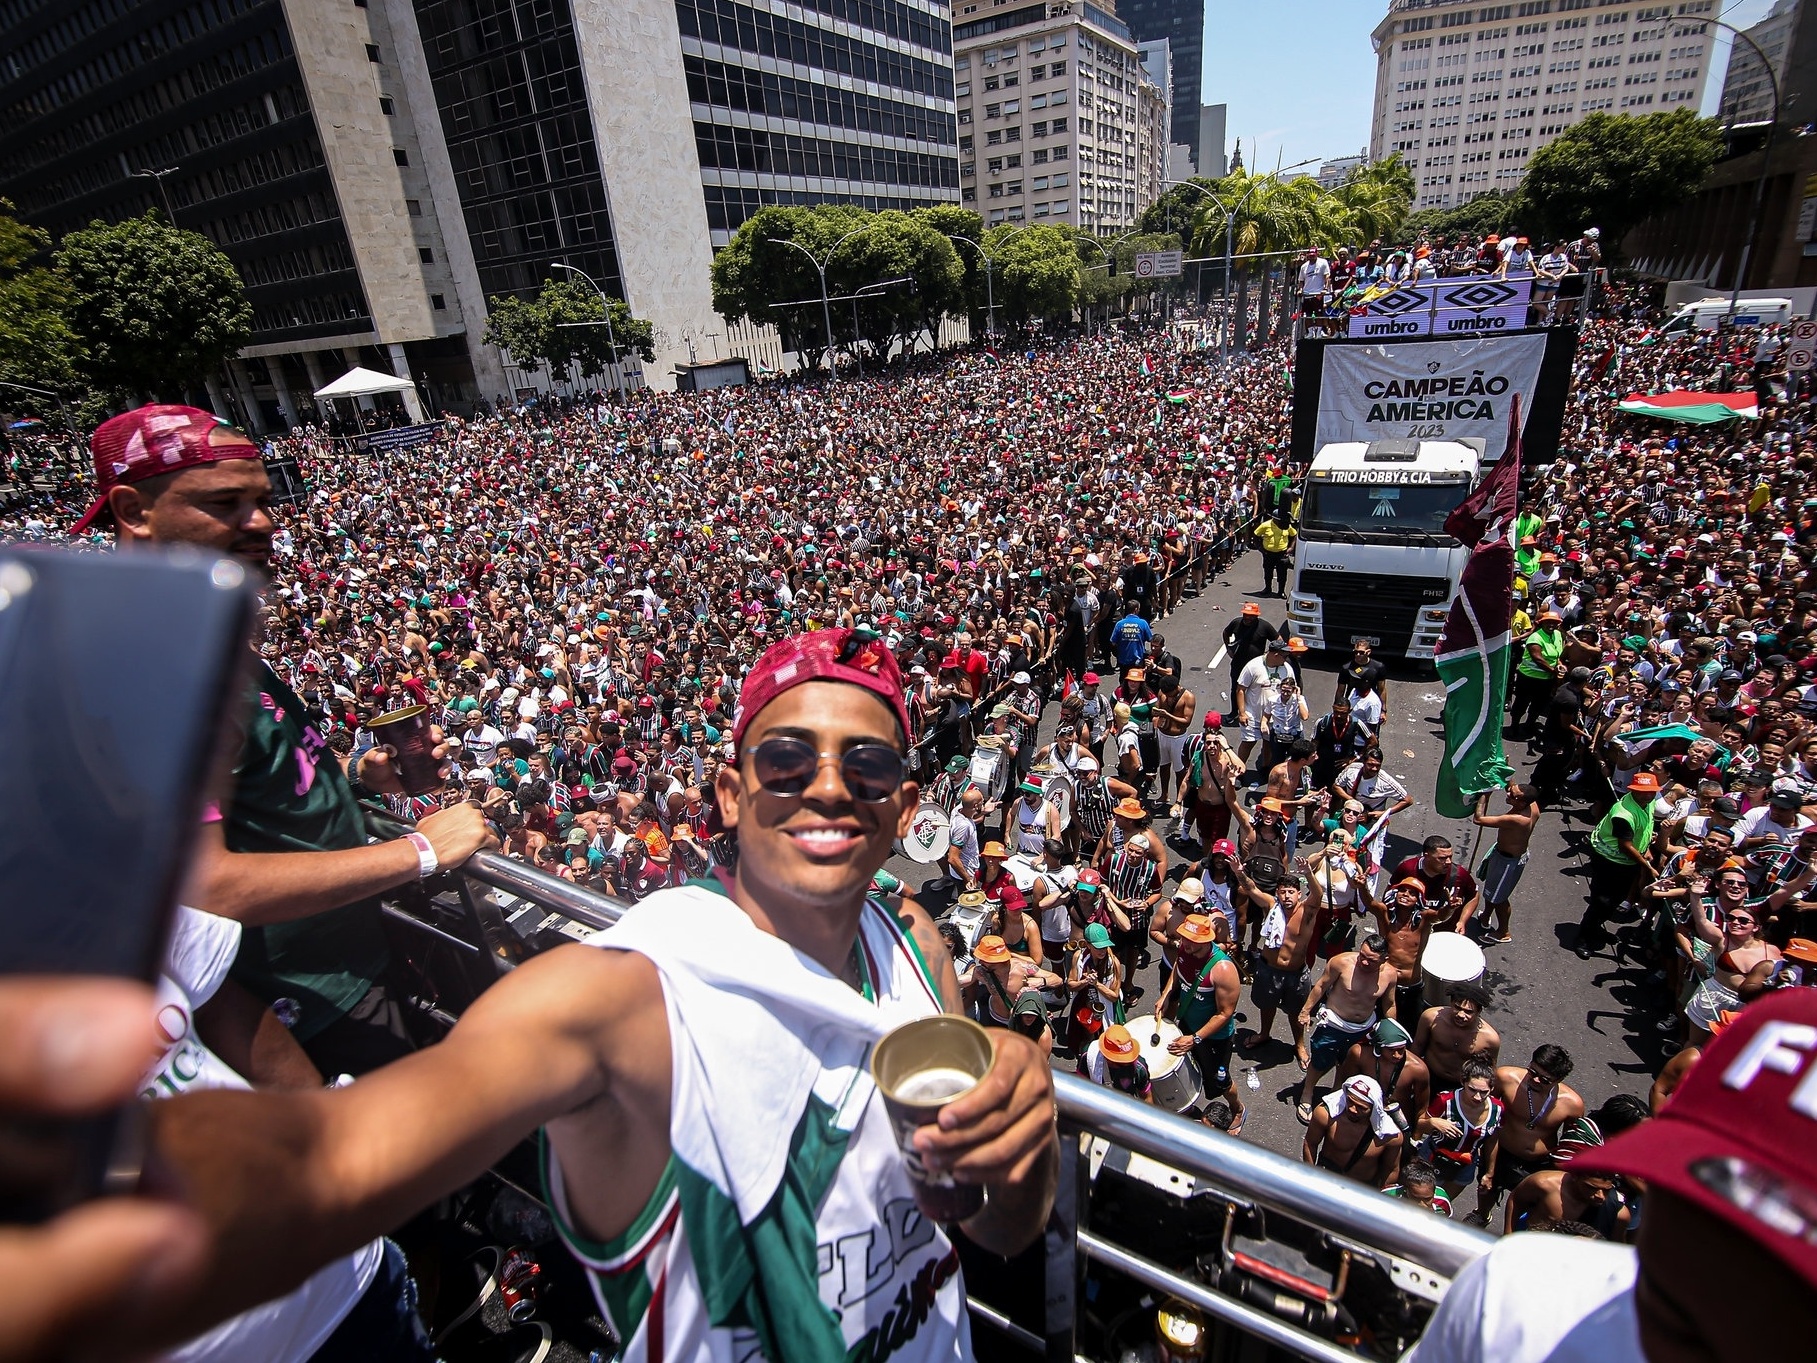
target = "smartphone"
x: 117, y: 674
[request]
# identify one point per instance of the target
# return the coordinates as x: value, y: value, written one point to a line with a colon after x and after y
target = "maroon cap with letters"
x: 151, y: 441
x: 1739, y: 1136
x: 841, y: 655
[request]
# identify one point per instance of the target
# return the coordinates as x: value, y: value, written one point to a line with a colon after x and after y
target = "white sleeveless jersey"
x: 693, y: 1278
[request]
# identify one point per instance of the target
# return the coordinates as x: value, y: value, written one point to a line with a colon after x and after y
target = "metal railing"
x: 1415, y: 1242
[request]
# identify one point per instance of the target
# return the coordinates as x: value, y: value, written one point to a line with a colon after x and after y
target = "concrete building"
x: 1747, y: 93
x: 1058, y: 122
x: 1211, y: 161
x: 1182, y: 24
x: 1333, y: 173
x: 1467, y: 93
x: 378, y: 169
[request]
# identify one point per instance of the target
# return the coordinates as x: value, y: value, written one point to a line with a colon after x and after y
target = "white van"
x: 1706, y: 314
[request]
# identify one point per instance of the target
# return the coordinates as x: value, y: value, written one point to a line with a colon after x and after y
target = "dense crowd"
x: 578, y: 590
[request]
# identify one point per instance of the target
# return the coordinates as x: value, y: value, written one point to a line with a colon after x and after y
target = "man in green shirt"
x: 1537, y: 673
x: 1202, y: 993
x: 1620, y: 851
x: 287, y: 856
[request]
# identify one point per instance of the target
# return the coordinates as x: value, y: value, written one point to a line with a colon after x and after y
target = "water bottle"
x: 1252, y: 1080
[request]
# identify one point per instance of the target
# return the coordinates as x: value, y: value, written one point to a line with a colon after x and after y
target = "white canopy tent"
x: 359, y: 383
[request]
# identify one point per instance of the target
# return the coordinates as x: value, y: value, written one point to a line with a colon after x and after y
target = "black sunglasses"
x: 872, y: 772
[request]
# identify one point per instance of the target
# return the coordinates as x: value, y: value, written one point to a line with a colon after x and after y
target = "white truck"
x: 1373, y: 559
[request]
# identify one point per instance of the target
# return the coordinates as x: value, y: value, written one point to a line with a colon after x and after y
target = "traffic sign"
x: 1159, y: 264
x: 1799, y: 356
x: 1805, y: 329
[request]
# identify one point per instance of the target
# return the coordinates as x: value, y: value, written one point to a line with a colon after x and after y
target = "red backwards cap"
x: 841, y: 655
x: 151, y: 441
x: 1737, y: 1136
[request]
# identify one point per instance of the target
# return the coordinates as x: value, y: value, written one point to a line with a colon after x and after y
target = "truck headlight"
x: 1435, y: 614
x: 1303, y: 603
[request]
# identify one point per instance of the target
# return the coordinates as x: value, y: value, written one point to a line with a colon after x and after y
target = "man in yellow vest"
x: 1620, y: 852
x: 1536, y: 674
x: 1276, y: 536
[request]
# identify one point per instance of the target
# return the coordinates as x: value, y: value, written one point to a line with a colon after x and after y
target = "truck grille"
x: 1379, y: 605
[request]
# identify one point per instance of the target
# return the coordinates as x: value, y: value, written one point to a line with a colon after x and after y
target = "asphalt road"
x: 1601, y: 1011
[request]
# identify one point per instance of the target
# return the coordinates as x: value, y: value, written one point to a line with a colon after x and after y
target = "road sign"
x: 1805, y: 329
x: 1159, y: 264
x: 1799, y: 356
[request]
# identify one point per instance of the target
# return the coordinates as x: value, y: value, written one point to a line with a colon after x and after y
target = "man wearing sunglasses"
x: 699, y: 1073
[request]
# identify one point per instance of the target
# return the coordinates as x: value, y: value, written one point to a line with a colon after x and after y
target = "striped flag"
x: 1148, y: 370
x: 1473, y: 652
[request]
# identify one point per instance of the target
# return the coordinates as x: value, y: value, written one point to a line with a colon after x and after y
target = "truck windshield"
x: 1375, y: 509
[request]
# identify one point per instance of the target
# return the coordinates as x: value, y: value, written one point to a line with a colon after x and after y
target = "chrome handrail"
x: 1236, y: 1170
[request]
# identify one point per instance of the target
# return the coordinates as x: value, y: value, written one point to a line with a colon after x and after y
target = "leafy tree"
x: 760, y: 268
x: 964, y: 229
x: 1377, y: 197
x: 38, y: 347
x: 1614, y: 170
x: 1498, y: 211
x: 563, y: 327
x: 897, y: 246
x: 159, y: 309
x: 1037, y: 273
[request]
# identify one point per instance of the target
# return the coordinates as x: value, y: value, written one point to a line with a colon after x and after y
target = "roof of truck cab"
x: 1436, y: 456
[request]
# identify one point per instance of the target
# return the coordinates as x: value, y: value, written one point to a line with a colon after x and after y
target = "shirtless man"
x: 1446, y: 1037
x: 1569, y: 1195
x: 995, y: 982
x: 1507, y: 859
x: 1349, y: 1134
x: 1280, y: 954
x: 1386, y: 1057
x: 1345, y: 1000
x: 1535, y: 1103
x: 1406, y: 918
x: 1173, y: 717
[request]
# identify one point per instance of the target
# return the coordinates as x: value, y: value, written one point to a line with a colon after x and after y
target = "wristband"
x: 427, y: 863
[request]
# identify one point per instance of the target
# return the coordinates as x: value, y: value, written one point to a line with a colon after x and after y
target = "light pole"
x: 1766, y: 160
x: 826, y: 307
x: 605, y: 304
x: 1230, y: 226
x: 163, y: 191
x: 1109, y: 258
x: 990, y: 265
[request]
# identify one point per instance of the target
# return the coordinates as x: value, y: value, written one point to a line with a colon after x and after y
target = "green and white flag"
x: 1474, y: 651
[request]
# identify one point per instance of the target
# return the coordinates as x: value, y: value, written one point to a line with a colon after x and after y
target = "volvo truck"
x: 1373, y: 560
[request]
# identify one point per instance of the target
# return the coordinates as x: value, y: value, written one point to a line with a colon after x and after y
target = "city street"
x: 1543, y: 992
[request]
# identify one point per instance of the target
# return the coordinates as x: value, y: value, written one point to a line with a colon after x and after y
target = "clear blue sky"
x: 1299, y: 75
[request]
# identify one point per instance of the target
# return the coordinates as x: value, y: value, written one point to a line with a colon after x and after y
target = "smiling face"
x: 818, y: 849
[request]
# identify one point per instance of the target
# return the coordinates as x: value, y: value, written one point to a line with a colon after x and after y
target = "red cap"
x: 1737, y: 1135
x: 1213, y: 720
x: 840, y: 655
x: 151, y: 441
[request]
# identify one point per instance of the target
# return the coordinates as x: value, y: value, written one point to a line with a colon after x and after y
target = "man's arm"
x: 1422, y: 1034
x: 260, y: 888
x: 288, y: 1181
x: 1316, y: 1130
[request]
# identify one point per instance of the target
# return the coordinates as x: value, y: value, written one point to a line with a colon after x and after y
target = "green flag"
x: 1473, y: 652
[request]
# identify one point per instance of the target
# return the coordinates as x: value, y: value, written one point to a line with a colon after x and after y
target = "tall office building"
x: 1467, y: 93
x: 1182, y: 23
x: 1211, y: 162
x: 1747, y: 92
x: 1057, y: 119
x: 377, y: 169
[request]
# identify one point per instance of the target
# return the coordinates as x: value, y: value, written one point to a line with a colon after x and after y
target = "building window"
x: 401, y: 156
x: 1040, y: 157
x: 994, y: 165
x: 993, y: 138
x: 1059, y: 125
x: 414, y: 207
x: 1014, y: 162
x: 438, y: 302
x: 426, y: 255
x: 386, y: 106
x: 372, y: 52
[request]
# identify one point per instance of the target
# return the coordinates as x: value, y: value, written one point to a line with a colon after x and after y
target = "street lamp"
x: 826, y: 307
x: 163, y: 190
x: 606, y: 305
x: 990, y: 264
x: 1109, y: 258
x: 1230, y: 225
x: 1766, y: 160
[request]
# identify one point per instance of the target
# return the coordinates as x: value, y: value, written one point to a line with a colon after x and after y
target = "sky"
x: 1299, y: 75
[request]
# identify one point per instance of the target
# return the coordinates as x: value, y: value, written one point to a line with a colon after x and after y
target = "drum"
x: 929, y: 837
x: 989, y: 772
x: 1059, y: 793
x: 1021, y: 870
x: 1449, y: 958
x: 1175, y: 1077
x: 972, y: 920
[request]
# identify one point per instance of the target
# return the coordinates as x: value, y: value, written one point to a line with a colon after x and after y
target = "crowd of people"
x: 584, y: 596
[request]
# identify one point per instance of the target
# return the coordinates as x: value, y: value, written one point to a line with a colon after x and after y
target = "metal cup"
x: 405, y: 734
x: 920, y: 1068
